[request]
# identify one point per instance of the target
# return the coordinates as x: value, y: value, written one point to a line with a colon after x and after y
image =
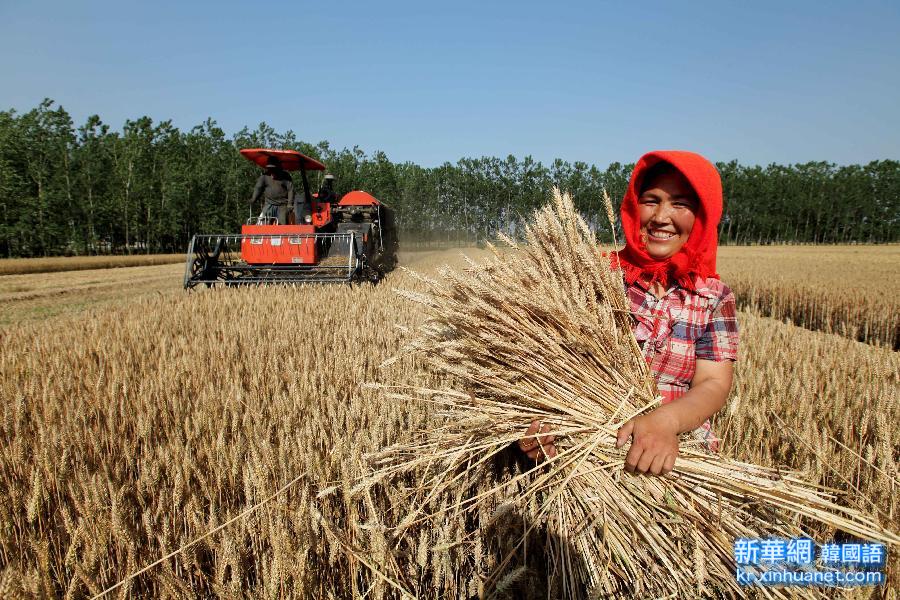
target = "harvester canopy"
x: 290, y: 160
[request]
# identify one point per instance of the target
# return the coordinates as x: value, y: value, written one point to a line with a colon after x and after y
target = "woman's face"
x: 667, y: 208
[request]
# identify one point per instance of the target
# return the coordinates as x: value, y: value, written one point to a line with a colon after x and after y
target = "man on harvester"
x: 326, y: 192
x: 277, y: 187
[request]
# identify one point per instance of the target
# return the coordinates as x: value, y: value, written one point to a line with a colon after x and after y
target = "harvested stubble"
x: 21, y: 266
x: 543, y: 332
x: 38, y: 296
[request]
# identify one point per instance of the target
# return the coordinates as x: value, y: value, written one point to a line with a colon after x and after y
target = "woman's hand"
x: 654, y: 445
x: 538, y: 447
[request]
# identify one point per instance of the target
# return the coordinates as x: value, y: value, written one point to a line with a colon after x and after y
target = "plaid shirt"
x: 682, y: 326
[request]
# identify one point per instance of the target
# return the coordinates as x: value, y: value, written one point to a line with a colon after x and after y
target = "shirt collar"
x: 700, y: 285
x: 643, y: 286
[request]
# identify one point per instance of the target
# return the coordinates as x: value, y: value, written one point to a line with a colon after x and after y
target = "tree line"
x: 149, y: 187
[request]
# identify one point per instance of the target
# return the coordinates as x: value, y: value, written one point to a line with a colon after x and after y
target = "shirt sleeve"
x: 720, y: 340
x: 258, y: 189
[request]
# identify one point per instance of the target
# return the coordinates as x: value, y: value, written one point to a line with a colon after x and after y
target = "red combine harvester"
x: 352, y: 240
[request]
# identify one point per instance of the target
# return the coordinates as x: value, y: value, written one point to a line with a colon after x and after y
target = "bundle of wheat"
x: 542, y: 331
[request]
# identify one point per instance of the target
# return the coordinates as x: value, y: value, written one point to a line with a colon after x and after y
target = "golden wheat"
x: 850, y: 290
x: 131, y: 427
x: 543, y: 332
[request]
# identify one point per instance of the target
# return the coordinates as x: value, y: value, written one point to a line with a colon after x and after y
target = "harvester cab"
x: 351, y: 240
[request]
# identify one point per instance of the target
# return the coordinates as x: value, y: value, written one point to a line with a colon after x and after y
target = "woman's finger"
x: 546, y: 439
x: 624, y: 433
x: 527, y: 443
x: 643, y: 465
x: 656, y: 467
x: 532, y: 429
x: 535, y: 446
x: 632, y: 458
x: 669, y: 464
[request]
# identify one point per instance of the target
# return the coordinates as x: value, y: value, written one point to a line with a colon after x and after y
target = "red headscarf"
x: 697, y: 258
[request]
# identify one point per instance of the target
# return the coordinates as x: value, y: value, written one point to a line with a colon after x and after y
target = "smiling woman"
x: 683, y: 316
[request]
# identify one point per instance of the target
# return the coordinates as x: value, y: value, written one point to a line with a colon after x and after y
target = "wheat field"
x: 850, y: 290
x: 137, y: 418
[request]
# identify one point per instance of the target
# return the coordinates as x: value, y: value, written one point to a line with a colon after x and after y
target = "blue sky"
x: 760, y: 82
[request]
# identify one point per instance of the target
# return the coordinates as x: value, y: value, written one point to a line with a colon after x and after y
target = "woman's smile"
x: 659, y: 234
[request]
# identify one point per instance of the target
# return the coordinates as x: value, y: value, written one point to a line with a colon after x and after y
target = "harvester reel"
x: 370, y: 273
x: 205, y: 266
